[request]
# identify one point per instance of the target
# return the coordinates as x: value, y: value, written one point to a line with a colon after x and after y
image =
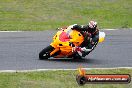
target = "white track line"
x: 110, y: 29
x: 25, y: 31
x: 11, y: 71
x: 11, y: 31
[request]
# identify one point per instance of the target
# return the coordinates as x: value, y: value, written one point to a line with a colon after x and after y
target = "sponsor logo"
x: 83, y: 78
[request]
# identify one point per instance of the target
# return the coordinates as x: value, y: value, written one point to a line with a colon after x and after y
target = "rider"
x: 91, y: 36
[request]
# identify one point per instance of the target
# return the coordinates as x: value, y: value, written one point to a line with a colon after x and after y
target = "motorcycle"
x: 63, y: 43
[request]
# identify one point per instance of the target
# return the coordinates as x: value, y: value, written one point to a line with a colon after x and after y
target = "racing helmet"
x: 92, y: 24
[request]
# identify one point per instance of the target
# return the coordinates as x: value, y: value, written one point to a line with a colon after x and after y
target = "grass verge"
x: 27, y: 15
x: 56, y: 79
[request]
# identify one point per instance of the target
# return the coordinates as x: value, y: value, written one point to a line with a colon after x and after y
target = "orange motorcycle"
x: 63, y: 43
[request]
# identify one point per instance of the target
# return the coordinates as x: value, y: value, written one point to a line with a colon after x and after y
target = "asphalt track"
x: 19, y: 51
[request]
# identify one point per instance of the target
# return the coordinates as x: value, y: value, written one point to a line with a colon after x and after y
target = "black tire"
x: 45, y: 53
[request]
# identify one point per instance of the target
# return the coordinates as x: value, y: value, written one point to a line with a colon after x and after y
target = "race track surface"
x: 19, y: 51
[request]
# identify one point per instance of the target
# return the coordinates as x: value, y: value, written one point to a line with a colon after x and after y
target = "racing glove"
x: 81, y: 51
x: 76, y: 49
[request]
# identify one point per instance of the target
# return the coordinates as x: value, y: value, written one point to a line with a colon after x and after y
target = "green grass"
x: 37, y: 15
x: 56, y: 79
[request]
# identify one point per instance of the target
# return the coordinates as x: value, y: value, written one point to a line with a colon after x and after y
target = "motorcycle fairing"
x: 70, y: 36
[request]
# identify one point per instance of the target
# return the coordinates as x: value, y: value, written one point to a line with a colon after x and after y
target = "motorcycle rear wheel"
x: 45, y: 53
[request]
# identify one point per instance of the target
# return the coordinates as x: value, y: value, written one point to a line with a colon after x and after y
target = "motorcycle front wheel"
x: 45, y: 53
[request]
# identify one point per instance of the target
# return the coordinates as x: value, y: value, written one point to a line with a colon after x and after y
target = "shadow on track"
x: 80, y: 61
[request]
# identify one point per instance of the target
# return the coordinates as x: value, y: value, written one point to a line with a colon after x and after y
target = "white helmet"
x: 92, y: 24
